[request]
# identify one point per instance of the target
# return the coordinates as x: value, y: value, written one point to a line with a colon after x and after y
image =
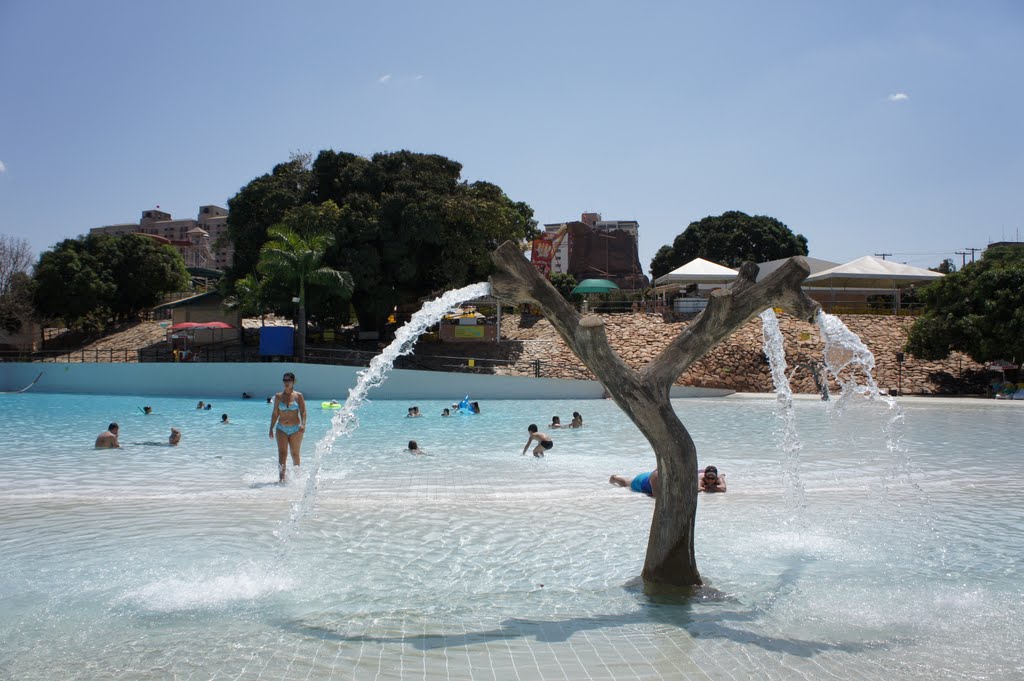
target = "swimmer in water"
x: 544, y: 442
x: 108, y: 438
x: 710, y: 480
x: 645, y: 483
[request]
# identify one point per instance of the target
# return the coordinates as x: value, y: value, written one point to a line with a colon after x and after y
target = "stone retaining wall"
x: 739, y: 362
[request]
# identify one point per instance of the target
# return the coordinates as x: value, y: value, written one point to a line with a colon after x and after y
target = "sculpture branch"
x: 585, y: 336
x: 730, y: 309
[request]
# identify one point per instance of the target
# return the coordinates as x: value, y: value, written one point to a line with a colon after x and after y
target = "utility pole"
x: 963, y: 257
x: 882, y: 255
x: 973, y: 251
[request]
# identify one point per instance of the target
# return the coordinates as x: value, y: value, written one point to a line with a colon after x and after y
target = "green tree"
x: 946, y: 267
x: 978, y: 310
x: 294, y: 257
x: 16, y: 309
x: 261, y: 204
x: 248, y: 296
x: 408, y: 226
x: 730, y: 239
x: 85, y: 282
x: 73, y: 286
x: 565, y: 283
x: 142, y: 271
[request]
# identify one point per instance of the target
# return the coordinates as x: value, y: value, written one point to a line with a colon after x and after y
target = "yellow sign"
x: 474, y: 332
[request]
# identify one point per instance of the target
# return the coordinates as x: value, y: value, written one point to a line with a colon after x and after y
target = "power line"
x: 882, y: 255
x: 963, y: 258
x: 973, y: 251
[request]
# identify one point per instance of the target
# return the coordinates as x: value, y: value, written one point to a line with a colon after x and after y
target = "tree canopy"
x: 16, y: 288
x: 730, y: 239
x: 91, y: 279
x: 978, y: 310
x: 407, y: 224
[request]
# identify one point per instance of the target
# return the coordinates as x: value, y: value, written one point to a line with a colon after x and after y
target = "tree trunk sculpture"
x: 644, y: 395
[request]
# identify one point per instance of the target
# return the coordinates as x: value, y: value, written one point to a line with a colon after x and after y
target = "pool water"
x: 474, y: 562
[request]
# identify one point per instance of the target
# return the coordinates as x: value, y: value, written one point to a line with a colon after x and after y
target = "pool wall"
x: 317, y: 381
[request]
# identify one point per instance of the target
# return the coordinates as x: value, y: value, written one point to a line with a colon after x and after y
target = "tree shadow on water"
x: 697, y: 615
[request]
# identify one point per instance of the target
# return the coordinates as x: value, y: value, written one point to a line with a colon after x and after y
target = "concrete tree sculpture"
x: 644, y: 395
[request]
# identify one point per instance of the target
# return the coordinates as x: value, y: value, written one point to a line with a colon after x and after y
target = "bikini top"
x: 293, y: 406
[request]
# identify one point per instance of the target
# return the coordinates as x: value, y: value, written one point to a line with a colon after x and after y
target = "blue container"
x: 277, y: 340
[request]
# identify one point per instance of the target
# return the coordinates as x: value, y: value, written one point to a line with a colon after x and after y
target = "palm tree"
x: 297, y: 260
x: 248, y: 297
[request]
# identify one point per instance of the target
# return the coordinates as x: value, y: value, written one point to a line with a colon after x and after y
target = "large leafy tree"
x: 408, y: 225
x: 978, y: 310
x: 142, y: 271
x: 261, y: 204
x: 85, y: 282
x: 730, y: 239
x: 73, y: 286
x: 294, y: 257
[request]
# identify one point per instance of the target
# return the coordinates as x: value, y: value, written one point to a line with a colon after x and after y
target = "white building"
x: 202, y: 242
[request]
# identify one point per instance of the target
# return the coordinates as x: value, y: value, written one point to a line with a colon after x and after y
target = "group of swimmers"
x: 287, y: 427
x: 109, y: 439
x: 543, y: 440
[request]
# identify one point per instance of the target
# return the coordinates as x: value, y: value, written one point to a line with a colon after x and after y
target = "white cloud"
x: 899, y: 97
x: 418, y: 78
x: 383, y: 80
x: 3, y: 168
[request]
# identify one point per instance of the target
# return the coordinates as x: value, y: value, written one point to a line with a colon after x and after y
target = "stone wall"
x: 739, y: 362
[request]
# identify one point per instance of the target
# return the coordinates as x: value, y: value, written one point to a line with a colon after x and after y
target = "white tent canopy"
x: 698, y: 271
x: 871, y: 272
x: 816, y: 265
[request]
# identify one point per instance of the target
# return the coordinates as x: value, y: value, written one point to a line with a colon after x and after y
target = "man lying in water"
x: 710, y: 480
x: 645, y: 483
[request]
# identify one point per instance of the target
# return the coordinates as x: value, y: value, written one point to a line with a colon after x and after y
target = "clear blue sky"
x: 869, y: 127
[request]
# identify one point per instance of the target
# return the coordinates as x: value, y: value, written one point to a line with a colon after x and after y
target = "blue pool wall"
x: 316, y: 381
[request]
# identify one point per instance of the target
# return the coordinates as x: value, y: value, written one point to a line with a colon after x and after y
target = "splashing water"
x: 845, y: 351
x: 786, y: 435
x: 345, y: 421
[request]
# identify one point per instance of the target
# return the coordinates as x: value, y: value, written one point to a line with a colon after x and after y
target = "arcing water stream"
x: 345, y: 421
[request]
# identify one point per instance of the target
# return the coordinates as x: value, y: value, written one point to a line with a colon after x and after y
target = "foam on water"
x: 198, y: 590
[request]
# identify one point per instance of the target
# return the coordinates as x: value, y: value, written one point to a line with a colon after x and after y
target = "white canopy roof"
x: 816, y: 265
x: 871, y: 272
x: 698, y: 270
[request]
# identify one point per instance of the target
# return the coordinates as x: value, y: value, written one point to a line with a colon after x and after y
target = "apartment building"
x: 592, y: 247
x: 202, y: 242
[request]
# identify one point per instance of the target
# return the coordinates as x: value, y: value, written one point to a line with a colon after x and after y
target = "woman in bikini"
x: 289, y: 417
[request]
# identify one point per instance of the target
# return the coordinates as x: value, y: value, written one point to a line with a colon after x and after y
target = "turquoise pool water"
x: 477, y: 563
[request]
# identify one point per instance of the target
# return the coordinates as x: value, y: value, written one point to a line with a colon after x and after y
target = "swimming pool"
x: 475, y: 562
